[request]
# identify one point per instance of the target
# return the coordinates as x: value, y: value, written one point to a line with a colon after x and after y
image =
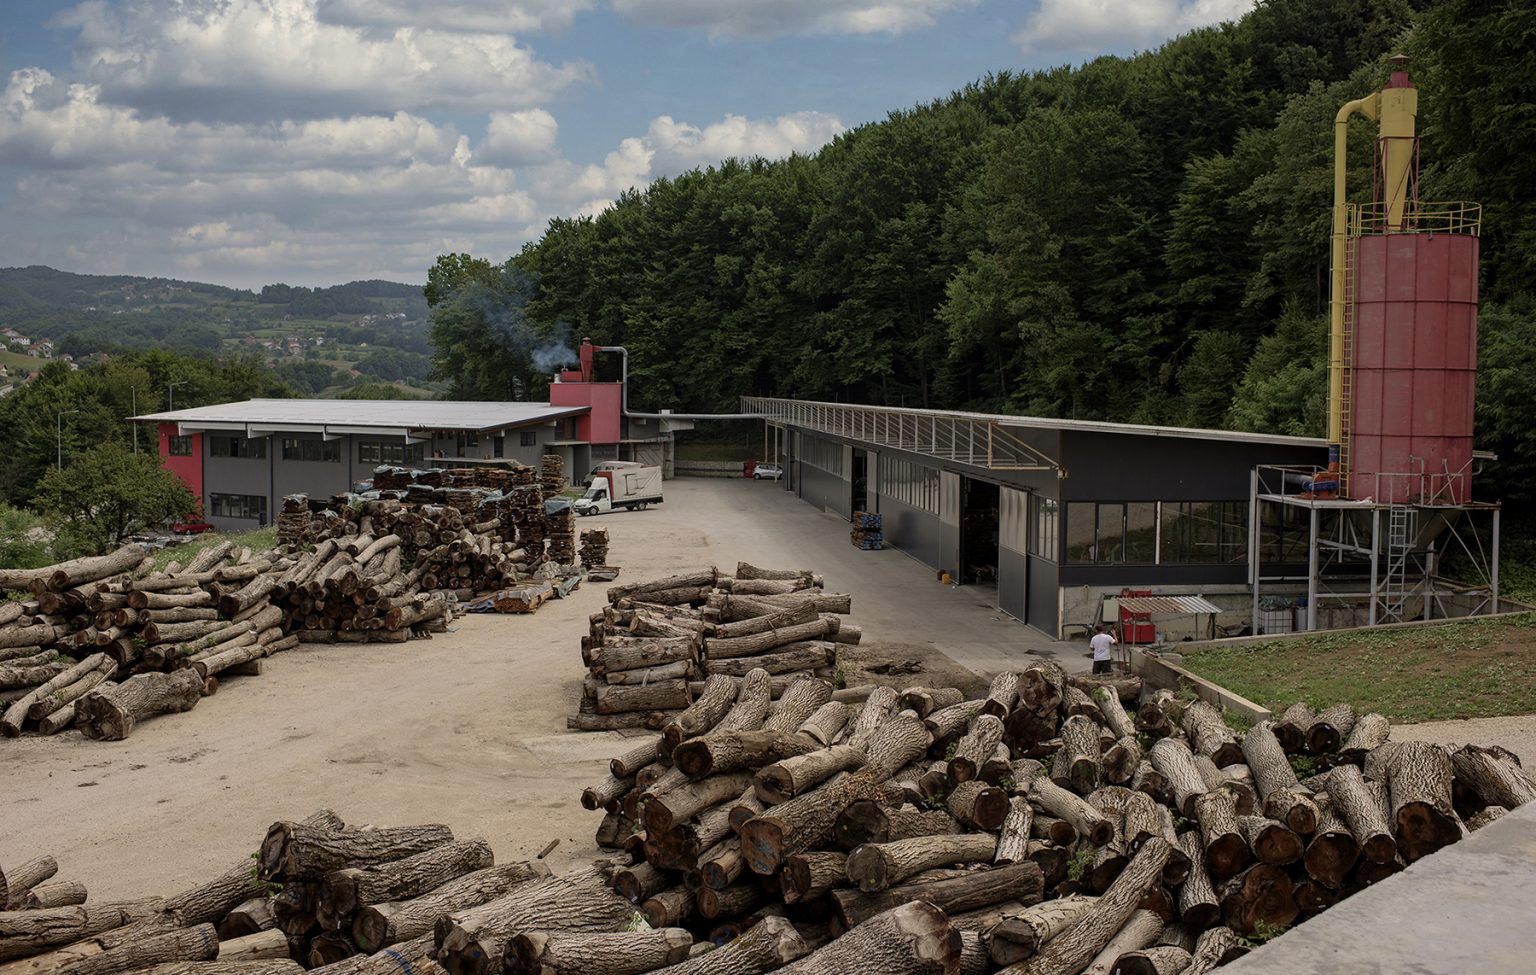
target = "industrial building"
x: 1180, y: 530
x: 242, y: 458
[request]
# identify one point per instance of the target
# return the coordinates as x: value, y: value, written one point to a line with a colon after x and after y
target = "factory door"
x: 978, y: 532
x: 860, y: 478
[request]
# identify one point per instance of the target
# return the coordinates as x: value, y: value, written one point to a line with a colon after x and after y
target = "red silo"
x: 1415, y: 365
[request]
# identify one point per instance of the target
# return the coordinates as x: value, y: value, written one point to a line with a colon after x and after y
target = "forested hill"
x: 1138, y: 239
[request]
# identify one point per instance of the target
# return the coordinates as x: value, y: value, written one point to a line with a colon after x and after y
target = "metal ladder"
x: 1402, y: 533
x: 1347, y: 372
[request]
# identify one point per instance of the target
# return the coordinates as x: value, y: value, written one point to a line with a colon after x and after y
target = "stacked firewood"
x: 655, y: 637
x: 560, y: 528
x: 1045, y: 828
x: 867, y: 533
x: 321, y: 896
x: 594, y: 547
x: 552, y: 474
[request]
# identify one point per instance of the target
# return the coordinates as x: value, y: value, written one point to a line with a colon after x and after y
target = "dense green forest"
x: 1140, y: 239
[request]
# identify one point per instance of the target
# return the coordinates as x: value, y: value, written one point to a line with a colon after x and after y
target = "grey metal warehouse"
x: 1054, y: 513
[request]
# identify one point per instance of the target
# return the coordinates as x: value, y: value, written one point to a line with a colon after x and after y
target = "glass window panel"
x: 1109, y: 541
x: 1081, y: 531
x: 1141, y: 532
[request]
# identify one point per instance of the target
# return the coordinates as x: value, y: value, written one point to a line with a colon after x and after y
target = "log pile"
x: 102, y: 643
x: 552, y: 474
x: 656, y: 640
x: 1056, y: 827
x: 868, y: 533
x: 594, y: 547
x: 560, y: 530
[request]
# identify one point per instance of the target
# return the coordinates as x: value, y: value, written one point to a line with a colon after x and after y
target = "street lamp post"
x: 133, y: 407
x: 59, y: 435
x: 170, y: 393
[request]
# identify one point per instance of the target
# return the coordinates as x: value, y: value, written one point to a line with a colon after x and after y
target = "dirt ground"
x: 466, y: 729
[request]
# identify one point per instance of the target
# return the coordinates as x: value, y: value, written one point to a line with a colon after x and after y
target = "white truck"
x: 624, y: 487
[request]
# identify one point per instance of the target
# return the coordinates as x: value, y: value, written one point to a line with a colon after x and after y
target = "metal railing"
x: 1424, y: 218
x: 974, y: 439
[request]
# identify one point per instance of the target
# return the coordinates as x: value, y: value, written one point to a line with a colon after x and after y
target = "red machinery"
x: 1136, y: 627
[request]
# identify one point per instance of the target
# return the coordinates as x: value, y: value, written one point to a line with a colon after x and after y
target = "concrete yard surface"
x: 466, y: 729
x: 1464, y: 910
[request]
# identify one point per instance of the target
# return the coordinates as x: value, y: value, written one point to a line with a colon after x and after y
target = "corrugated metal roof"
x: 1166, y: 604
x: 301, y: 414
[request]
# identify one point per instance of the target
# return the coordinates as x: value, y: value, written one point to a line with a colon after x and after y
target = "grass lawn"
x: 20, y: 363
x: 1476, y: 669
x: 258, y: 540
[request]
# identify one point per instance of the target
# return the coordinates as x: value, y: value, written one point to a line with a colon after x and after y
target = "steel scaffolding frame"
x: 1396, y: 556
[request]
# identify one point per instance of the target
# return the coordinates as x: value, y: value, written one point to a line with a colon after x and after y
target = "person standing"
x: 1101, y: 643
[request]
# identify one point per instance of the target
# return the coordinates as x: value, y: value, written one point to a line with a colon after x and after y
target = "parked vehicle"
x: 610, y: 465
x: 767, y: 472
x: 626, y: 487
x: 191, y: 527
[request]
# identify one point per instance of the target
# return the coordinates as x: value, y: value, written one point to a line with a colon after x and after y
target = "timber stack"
x: 552, y: 474
x: 867, y: 533
x: 1058, y: 825
x: 651, y: 649
x: 594, y: 547
x: 560, y: 529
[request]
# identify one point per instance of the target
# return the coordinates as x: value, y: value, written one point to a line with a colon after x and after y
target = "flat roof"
x: 342, y: 415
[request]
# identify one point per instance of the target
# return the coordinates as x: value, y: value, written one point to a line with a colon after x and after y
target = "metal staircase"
x: 1396, y: 587
x: 1347, y: 372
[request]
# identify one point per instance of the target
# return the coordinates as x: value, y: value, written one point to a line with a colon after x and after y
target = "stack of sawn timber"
x: 1049, y: 829
x: 650, y: 648
x: 361, y: 901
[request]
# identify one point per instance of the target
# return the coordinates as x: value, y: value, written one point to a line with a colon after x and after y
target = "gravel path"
x: 1516, y: 733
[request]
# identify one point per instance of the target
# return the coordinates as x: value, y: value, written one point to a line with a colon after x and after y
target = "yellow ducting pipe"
x: 1368, y: 106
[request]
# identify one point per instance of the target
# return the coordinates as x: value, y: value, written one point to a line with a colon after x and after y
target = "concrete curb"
x: 1158, y: 672
x: 1244, y: 641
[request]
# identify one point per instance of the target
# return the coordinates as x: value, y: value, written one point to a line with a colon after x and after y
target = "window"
x: 909, y: 483
x: 1205, y: 531
x: 1112, y: 533
x: 1283, y: 530
x: 373, y: 452
x: 181, y: 446
x: 1042, y: 536
x: 528, y: 438
x: 219, y: 446
x: 824, y: 454
x: 498, y: 446
x: 248, y: 506
x: 311, y: 450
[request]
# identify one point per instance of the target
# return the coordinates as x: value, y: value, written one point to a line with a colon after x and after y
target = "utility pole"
x: 170, y: 394
x: 59, y: 435
x: 133, y: 394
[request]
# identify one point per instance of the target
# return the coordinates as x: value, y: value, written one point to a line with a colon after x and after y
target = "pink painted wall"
x: 606, y: 401
x: 189, y: 469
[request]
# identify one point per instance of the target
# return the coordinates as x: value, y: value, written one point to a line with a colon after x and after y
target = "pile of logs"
x: 594, y: 547
x: 648, y: 650
x: 552, y: 474
x: 560, y: 531
x: 1058, y: 825
x: 103, y: 642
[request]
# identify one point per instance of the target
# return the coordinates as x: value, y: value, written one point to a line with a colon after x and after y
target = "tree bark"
x: 1018, y: 935
x: 1069, y: 807
x: 1002, y: 696
x: 1225, y: 850
x: 1076, y: 763
x: 789, y: 777
x: 210, y: 902
x: 801, y: 700
x: 876, y: 866
x: 472, y: 942
x: 807, y: 876
x: 703, y: 714
x: 1139, y: 932
x: 1176, y: 763
x: 112, y: 715
x: 350, y: 888
x: 1198, y: 907
x: 868, y: 821
x: 1329, y: 728
x: 766, y: 946
x: 1013, y: 837
x: 621, y: 953
x: 1071, y: 951
x: 754, y: 697
x: 298, y: 851
x: 1284, y: 798
x: 1419, y: 787
x: 16, y: 882
x: 913, y: 939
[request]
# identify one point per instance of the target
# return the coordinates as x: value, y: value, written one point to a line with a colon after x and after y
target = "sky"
x: 313, y: 142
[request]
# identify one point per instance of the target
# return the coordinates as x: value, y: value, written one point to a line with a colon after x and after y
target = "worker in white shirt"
x: 1101, y: 643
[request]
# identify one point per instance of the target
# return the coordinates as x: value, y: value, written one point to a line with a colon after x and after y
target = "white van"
x: 609, y: 465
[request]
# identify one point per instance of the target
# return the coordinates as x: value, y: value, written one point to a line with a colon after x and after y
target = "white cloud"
x: 771, y: 18
x: 495, y: 16
x: 276, y: 59
x: 679, y: 145
x: 516, y: 138
x: 1094, y: 25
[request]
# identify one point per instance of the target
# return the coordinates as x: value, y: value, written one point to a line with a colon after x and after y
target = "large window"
x: 181, y: 446
x: 311, y: 450
x: 909, y: 483
x: 248, y: 506
x: 824, y: 454
x: 1043, y: 533
x: 222, y: 446
x: 373, y: 452
x: 1283, y: 532
x: 1205, y: 531
x: 527, y: 438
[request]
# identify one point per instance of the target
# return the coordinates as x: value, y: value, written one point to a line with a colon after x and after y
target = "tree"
x: 453, y: 272
x: 23, y: 540
x: 108, y: 493
x: 483, y: 341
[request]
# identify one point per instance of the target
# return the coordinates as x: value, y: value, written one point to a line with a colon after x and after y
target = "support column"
x: 1255, y: 560
x: 1375, y: 559
x: 1312, y: 550
x: 1494, y: 569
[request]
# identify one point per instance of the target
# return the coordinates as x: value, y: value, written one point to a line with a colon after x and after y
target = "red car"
x: 191, y: 528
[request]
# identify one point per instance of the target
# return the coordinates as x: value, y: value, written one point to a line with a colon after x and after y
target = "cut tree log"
x: 1370, y: 731
x: 1291, y: 728
x: 473, y: 942
x: 1333, y: 852
x: 1198, y: 907
x: 1283, y: 797
x: 766, y: 946
x: 969, y: 890
x: 1071, y: 808
x: 804, y: 821
x: 1419, y: 787
x: 16, y: 713
x: 872, y: 822
x: 1366, y: 818
x: 1139, y: 932
x: 1013, y: 837
x: 1210, y: 734
x: 61, y: 894
x: 790, y: 777
x: 876, y: 866
x: 1018, y: 935
x: 1213, y: 948
x: 1076, y: 763
x: 1174, y: 761
x: 703, y: 714
x: 807, y: 876
x: 1331, y: 726
x: 1270, y: 840
x: 350, y: 888
x: 913, y: 939
x: 300, y: 851
x: 112, y: 715
x: 211, y: 901
x: 378, y: 926
x: 1494, y: 775
x: 1261, y: 894
x: 621, y: 953
x: 17, y: 881
x: 1225, y: 850
x: 258, y: 946
x: 1157, y: 960
x: 200, y: 943
x: 247, y: 918
x: 978, y: 805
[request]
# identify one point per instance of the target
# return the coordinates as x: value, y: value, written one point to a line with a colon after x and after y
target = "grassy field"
x: 1476, y: 669
x: 19, y: 363
x: 260, y: 539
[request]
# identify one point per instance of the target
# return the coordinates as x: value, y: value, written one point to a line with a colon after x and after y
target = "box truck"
x: 624, y: 487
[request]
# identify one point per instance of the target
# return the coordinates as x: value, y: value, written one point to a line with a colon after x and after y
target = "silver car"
x: 767, y: 472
